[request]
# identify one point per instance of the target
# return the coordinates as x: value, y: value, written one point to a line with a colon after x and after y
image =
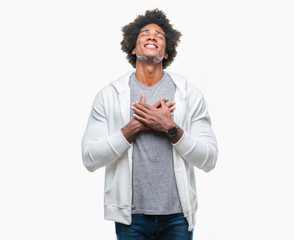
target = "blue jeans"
x: 154, y: 227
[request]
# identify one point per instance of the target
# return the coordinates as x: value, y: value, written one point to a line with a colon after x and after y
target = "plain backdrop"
x: 56, y: 55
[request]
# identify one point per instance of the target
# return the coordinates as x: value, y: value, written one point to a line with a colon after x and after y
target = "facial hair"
x: 156, y: 59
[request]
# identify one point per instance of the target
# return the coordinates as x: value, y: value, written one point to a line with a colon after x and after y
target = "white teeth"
x: 150, y: 46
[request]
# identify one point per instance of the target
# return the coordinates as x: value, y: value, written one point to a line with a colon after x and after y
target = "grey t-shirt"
x: 154, y: 185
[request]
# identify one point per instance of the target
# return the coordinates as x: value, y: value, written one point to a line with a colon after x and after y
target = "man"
x: 149, y: 129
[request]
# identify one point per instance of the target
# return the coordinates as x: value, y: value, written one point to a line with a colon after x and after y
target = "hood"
x: 122, y: 84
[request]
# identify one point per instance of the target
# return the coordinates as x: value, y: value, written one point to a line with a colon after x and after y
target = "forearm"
x: 199, y: 152
x: 100, y: 146
x: 99, y: 152
x: 131, y: 130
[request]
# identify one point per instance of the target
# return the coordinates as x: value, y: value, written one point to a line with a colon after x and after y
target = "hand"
x: 170, y: 105
x: 157, y: 118
x: 134, y: 126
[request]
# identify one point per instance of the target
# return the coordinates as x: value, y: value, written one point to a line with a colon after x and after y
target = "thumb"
x: 163, y: 104
x: 158, y: 103
x: 142, y: 99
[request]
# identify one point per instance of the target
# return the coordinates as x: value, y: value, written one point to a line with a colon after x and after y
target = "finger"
x: 142, y: 106
x: 142, y: 120
x: 163, y: 104
x: 142, y: 99
x: 138, y: 105
x: 158, y: 104
x: 171, y: 109
x: 170, y: 104
x: 139, y: 111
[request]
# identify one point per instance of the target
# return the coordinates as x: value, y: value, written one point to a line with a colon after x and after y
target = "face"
x: 151, y: 44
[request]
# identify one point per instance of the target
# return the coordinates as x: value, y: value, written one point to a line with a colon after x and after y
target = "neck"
x: 148, y: 73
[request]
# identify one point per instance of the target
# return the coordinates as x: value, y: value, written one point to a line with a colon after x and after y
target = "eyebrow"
x: 147, y: 30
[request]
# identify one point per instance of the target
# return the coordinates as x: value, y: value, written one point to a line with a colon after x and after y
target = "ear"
x: 134, y: 51
x: 165, y: 55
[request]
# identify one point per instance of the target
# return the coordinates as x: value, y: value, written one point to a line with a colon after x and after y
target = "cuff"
x: 118, y: 143
x: 183, y: 146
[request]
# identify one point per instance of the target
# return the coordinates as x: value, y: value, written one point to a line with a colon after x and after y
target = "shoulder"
x: 176, y: 76
x: 192, y: 92
x: 115, y: 87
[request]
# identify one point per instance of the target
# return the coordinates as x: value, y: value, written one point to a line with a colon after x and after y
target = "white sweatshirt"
x: 103, y: 144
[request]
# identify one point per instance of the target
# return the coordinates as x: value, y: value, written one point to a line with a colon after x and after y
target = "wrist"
x: 178, y: 136
x: 172, y: 131
x: 131, y: 130
x: 169, y: 126
x: 136, y: 126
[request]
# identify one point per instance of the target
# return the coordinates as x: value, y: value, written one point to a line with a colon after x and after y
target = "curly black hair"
x: 132, y: 30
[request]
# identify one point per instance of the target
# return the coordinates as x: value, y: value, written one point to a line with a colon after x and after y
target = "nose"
x: 151, y: 37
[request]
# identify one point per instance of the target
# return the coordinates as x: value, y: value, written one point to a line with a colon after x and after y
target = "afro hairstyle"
x: 132, y: 30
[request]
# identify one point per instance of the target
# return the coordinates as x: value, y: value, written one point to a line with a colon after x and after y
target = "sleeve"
x: 199, y: 146
x: 98, y: 147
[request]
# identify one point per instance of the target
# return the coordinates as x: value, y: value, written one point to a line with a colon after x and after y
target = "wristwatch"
x: 172, y: 131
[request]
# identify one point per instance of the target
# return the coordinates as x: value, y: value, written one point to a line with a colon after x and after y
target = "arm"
x: 99, y: 149
x: 131, y: 130
x: 158, y: 119
x: 199, y: 147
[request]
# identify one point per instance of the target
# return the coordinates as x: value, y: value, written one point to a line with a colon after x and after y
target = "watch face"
x: 172, y: 131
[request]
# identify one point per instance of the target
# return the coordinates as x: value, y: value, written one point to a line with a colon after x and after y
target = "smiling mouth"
x: 150, y: 45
